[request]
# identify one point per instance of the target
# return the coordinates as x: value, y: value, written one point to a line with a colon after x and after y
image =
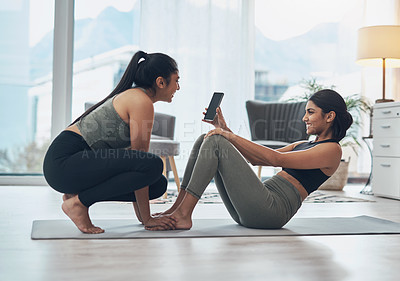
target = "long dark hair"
x: 329, y: 100
x: 142, y: 71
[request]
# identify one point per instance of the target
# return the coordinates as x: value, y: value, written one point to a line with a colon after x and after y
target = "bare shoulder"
x: 330, y: 150
x: 133, y: 96
x: 332, y: 146
x: 132, y: 101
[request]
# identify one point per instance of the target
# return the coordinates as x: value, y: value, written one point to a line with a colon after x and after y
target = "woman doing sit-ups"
x: 224, y: 156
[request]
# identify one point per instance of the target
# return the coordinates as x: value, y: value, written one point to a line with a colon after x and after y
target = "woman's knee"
x: 214, y: 140
x: 199, y: 141
x: 157, y: 189
x: 217, y: 138
x: 156, y: 165
x: 218, y: 142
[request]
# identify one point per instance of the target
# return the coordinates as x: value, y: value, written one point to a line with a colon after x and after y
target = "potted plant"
x: 357, y: 106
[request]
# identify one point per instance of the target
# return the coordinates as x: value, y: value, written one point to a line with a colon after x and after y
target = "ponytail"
x: 329, y: 100
x: 128, y: 77
x: 341, y: 124
x: 142, y: 71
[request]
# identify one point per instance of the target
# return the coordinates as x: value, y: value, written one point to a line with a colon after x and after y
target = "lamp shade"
x: 379, y: 42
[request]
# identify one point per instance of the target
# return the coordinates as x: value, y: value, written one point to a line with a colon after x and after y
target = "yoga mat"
x: 131, y: 229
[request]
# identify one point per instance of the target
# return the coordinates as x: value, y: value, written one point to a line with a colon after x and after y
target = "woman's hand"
x: 166, y: 222
x: 219, y: 131
x: 219, y: 120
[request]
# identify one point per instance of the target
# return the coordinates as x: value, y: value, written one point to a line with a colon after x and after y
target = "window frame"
x: 62, y: 82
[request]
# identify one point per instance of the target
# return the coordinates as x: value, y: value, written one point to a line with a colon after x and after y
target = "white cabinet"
x: 386, y: 152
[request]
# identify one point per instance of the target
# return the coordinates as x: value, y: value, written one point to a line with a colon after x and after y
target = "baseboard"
x: 22, y: 180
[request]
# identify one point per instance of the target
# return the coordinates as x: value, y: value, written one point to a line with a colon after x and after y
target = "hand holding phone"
x: 212, y: 107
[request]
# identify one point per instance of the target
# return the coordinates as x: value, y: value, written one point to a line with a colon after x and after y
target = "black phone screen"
x: 212, y: 107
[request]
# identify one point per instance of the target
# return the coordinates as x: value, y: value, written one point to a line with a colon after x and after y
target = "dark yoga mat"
x: 131, y: 229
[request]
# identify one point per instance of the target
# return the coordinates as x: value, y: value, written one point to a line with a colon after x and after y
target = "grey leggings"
x: 250, y: 202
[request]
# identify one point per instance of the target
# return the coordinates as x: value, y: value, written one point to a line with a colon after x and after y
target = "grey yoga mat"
x: 131, y: 229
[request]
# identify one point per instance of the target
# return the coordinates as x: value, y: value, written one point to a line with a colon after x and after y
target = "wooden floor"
x: 352, y: 257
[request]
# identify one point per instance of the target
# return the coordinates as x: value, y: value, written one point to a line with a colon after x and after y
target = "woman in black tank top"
x: 271, y: 204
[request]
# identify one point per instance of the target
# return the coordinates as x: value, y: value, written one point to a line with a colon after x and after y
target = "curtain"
x: 213, y: 44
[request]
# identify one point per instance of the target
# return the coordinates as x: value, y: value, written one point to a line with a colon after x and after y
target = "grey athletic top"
x: 104, y: 128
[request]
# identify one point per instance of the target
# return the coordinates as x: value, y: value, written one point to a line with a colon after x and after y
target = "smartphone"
x: 212, y: 107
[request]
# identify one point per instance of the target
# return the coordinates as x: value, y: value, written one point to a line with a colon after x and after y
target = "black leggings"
x: 71, y: 166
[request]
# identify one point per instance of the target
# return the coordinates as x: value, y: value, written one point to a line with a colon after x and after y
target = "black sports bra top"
x: 311, y: 179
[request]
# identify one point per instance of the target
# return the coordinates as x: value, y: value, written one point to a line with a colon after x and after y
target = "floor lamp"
x: 379, y: 46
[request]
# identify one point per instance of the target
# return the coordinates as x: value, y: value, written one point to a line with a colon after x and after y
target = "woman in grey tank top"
x: 103, y: 155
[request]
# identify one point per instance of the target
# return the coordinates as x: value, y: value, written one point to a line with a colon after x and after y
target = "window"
x: 302, y: 42
x: 298, y: 41
x: 106, y: 37
x: 195, y: 33
x: 103, y: 47
x: 211, y: 40
x: 26, y: 46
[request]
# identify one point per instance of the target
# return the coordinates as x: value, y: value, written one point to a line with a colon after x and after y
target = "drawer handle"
x: 387, y: 112
x: 385, y: 145
x: 386, y: 165
x: 385, y: 126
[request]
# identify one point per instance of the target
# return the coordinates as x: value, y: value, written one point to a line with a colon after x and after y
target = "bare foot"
x: 166, y: 212
x: 67, y: 196
x: 79, y: 214
x: 183, y: 222
x: 176, y: 204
